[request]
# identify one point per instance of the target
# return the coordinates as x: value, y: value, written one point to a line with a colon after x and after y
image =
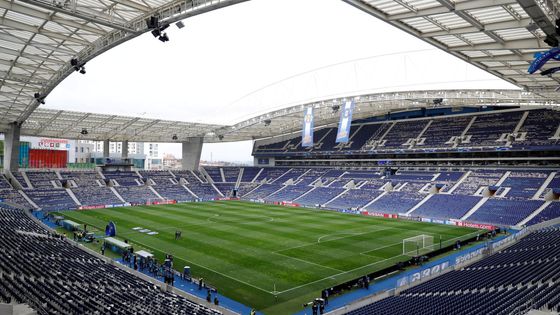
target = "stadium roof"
x: 499, y: 36
x: 38, y: 38
x: 69, y: 124
x: 289, y: 120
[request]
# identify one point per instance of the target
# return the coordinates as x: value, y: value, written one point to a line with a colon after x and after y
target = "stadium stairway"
x: 544, y: 185
x: 374, y: 200
x: 418, y: 205
x: 117, y: 194
x: 22, y: 193
x: 71, y: 194
x: 336, y: 197
x: 458, y: 183
x: 222, y: 175
x: 534, y: 214
x: 239, y: 177
x: 26, y: 179
x: 476, y: 207
x: 190, y: 191
x: 216, y: 189
x: 205, y: 174
x: 258, y: 174
x: 250, y: 191
x: 155, y: 192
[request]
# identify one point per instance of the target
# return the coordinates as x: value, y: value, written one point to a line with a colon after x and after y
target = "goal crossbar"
x: 418, y: 245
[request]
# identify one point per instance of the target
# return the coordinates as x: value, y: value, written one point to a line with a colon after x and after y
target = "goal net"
x: 418, y: 245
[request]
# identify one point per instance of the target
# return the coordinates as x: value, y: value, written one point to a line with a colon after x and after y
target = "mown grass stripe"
x: 247, y: 249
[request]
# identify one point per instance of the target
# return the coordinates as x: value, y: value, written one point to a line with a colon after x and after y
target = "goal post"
x: 418, y: 245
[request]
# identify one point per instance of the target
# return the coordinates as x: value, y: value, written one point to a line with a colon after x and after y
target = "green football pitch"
x: 269, y: 257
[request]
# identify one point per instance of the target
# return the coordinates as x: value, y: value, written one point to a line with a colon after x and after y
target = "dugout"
x: 71, y: 225
x: 144, y: 256
x: 116, y: 245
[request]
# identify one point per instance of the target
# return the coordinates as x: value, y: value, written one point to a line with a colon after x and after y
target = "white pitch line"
x: 367, y: 251
x: 307, y: 262
x: 342, y: 233
x: 222, y: 274
x: 336, y: 275
x: 309, y: 244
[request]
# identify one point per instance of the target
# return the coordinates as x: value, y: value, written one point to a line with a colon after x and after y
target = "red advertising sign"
x: 476, y: 225
x: 289, y: 204
x: 161, y: 202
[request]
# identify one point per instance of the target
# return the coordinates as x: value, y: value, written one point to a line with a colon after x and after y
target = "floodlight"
x: 180, y: 24
x: 267, y: 122
x: 39, y: 98
x: 163, y: 27
x: 83, y: 70
x: 163, y: 38
x: 552, y: 41
x: 152, y: 22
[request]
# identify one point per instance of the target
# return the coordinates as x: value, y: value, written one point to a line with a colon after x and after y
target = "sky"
x: 237, y: 62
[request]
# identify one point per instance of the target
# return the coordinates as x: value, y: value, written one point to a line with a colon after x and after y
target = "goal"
x: 418, y: 245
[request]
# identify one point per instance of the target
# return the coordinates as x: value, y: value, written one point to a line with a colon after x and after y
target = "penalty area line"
x: 336, y: 275
x: 349, y: 234
x: 308, y: 262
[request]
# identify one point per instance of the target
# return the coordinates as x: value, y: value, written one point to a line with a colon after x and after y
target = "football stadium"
x: 357, y: 200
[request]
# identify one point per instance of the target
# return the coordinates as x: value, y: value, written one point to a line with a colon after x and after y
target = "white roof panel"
x: 492, y: 35
x: 39, y: 38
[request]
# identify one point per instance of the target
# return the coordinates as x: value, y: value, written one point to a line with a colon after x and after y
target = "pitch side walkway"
x: 339, y: 301
x: 180, y: 283
x: 192, y: 288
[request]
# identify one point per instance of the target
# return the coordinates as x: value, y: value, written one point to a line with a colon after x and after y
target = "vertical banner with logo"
x: 307, y: 132
x: 345, y: 122
x: 111, y: 229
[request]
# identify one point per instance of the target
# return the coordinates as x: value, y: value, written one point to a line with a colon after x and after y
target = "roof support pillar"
x: 11, y: 147
x: 124, y: 148
x: 105, y: 148
x: 191, y: 153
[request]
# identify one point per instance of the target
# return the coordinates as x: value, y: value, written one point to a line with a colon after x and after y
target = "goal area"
x: 418, y: 245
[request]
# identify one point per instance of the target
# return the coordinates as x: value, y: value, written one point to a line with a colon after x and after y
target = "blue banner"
x: 345, y: 122
x: 111, y: 229
x: 307, y: 132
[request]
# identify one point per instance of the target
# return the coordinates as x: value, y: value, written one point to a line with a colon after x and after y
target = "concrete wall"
x: 192, y: 150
